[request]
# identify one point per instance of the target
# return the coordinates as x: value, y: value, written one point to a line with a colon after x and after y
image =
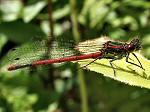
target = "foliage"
x: 40, y: 91
x: 125, y: 72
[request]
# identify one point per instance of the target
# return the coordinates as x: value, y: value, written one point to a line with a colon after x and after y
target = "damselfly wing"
x: 40, y: 50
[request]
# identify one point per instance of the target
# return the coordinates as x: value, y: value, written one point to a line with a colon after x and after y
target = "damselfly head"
x: 134, y: 45
x: 136, y: 42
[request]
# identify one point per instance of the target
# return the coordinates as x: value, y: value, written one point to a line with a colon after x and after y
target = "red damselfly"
x: 40, y: 53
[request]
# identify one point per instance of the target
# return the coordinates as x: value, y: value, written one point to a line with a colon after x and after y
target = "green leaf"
x: 10, y: 9
x: 58, y: 29
x: 53, y: 107
x: 96, y: 12
x: 60, y: 13
x: 125, y: 72
x: 3, y: 40
x: 20, y: 32
x: 146, y: 40
x: 147, y: 52
x: 31, y: 11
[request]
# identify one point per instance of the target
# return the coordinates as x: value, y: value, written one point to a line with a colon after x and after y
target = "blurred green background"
x: 63, y: 89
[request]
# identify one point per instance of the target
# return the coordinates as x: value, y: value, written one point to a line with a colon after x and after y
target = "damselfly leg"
x: 127, y: 60
x: 91, y: 62
x: 112, y: 65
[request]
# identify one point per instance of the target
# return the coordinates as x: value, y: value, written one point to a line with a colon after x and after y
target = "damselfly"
x: 40, y: 53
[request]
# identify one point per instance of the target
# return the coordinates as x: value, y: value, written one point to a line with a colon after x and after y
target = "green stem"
x: 74, y: 20
x: 51, y: 22
x: 76, y: 34
x: 51, y: 34
x: 83, y: 91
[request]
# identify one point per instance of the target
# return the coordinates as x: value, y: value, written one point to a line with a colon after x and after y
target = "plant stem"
x: 51, y: 22
x: 83, y: 91
x: 76, y: 34
x: 74, y: 20
x: 51, y: 37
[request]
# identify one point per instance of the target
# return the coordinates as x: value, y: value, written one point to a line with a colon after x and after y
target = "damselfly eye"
x: 134, y: 45
x: 131, y: 47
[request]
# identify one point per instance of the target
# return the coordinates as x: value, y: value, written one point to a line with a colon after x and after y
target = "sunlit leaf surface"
x: 125, y: 72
